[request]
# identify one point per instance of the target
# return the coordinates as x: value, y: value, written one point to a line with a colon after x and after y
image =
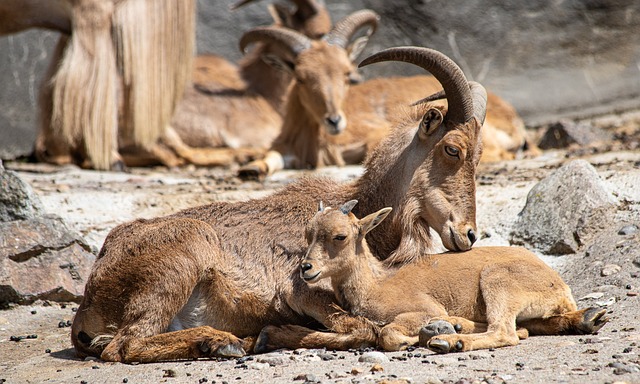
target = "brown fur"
x: 485, y: 291
x: 190, y: 273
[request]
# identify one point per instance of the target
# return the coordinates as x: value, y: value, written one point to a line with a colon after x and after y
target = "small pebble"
x: 632, y: 294
x: 257, y: 366
x: 169, y: 373
x: 33, y: 312
x: 373, y: 357
x: 610, y: 269
x: 47, y: 350
x: 628, y: 230
x: 377, y: 368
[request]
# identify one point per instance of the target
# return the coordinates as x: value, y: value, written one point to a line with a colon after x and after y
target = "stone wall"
x: 572, y: 58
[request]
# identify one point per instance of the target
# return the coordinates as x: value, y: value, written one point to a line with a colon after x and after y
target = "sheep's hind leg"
x: 581, y: 322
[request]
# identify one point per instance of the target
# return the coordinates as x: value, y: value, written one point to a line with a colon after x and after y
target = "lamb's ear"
x: 371, y: 221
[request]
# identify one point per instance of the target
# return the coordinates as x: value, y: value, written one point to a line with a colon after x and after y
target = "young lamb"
x: 483, y: 293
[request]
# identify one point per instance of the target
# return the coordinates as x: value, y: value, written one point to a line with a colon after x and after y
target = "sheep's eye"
x: 452, y: 151
x: 340, y: 237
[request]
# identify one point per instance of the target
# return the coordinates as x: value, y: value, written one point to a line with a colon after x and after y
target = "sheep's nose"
x: 333, y: 120
x: 471, y: 235
x: 305, y: 266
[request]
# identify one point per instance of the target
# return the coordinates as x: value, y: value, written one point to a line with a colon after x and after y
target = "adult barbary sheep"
x: 183, y: 286
x: 465, y: 301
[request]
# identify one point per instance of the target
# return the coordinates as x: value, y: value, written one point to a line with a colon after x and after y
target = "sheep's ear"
x: 279, y: 63
x: 430, y: 122
x: 355, y: 49
x: 371, y: 221
x: 348, y: 206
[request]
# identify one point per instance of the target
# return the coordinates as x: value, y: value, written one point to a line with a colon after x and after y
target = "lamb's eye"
x: 340, y: 237
x: 452, y: 151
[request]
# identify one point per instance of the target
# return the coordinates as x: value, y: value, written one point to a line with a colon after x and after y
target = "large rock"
x: 17, y: 199
x: 550, y: 59
x: 40, y: 259
x: 564, y: 209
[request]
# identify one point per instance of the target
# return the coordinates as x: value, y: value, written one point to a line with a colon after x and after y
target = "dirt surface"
x: 94, y: 202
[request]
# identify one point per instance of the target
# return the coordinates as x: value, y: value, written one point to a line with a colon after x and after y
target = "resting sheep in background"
x: 245, y: 113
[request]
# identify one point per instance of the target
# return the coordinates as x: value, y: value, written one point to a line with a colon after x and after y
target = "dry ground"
x: 93, y: 203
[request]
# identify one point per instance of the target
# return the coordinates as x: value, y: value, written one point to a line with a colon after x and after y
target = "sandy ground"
x: 94, y: 202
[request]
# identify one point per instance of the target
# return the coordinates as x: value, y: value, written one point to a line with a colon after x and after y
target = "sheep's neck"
x: 354, y: 287
x: 298, y: 138
x: 387, y: 183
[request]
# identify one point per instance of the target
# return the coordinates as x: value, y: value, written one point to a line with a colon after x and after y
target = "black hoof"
x: 204, y: 348
x: 119, y: 166
x: 230, y: 350
x: 592, y: 320
x: 439, y: 346
x: 439, y: 327
x: 250, y: 173
x: 262, y: 343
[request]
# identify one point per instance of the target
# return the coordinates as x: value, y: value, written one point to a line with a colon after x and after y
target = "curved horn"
x: 343, y: 30
x: 479, y: 96
x: 443, y: 68
x: 290, y: 40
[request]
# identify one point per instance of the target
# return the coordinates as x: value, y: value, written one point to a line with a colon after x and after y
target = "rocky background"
x: 556, y: 59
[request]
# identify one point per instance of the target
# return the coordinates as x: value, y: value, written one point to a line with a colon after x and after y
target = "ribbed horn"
x: 479, y: 96
x: 289, y: 40
x: 343, y: 30
x: 445, y: 70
